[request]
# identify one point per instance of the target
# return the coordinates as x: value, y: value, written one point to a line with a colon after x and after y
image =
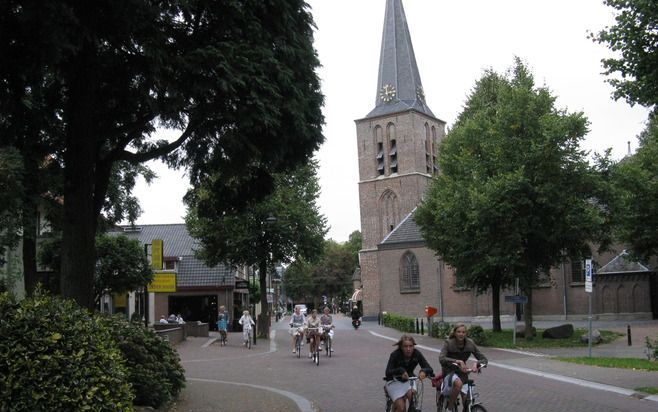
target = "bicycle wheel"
x: 329, y: 347
x: 317, y: 358
x: 249, y: 342
x: 478, y: 408
x: 298, y: 345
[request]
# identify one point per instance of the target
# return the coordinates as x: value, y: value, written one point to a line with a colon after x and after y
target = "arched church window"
x: 435, y: 163
x: 389, y: 209
x: 392, y: 148
x: 409, y: 274
x: 379, y: 154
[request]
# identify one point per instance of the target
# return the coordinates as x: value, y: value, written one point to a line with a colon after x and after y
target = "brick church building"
x: 397, y: 146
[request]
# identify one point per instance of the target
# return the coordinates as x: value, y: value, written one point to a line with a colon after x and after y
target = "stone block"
x: 558, y: 332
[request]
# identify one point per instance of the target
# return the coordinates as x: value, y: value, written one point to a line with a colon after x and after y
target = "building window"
x: 577, y: 270
x: 409, y: 274
x: 380, y: 158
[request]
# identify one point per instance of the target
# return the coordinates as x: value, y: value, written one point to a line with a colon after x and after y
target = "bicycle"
x: 416, y: 403
x: 315, y: 345
x: 299, y: 335
x: 248, y: 341
x: 327, y: 339
x: 472, y: 396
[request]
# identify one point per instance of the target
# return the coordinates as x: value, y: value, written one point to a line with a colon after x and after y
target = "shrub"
x: 57, y: 356
x: 400, y: 323
x: 154, y: 368
x: 441, y: 330
x: 477, y: 333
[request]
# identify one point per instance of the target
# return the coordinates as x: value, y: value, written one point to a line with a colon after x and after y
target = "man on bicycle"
x: 327, y: 324
x: 401, y: 365
x: 454, y: 354
x: 297, y: 320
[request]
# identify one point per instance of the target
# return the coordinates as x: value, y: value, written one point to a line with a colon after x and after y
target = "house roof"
x: 405, y: 233
x: 399, y: 87
x: 622, y: 264
x: 177, y: 242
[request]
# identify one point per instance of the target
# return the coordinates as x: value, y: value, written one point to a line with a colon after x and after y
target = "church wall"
x: 370, y: 282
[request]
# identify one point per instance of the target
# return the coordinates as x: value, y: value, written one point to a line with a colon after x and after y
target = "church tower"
x: 397, y: 144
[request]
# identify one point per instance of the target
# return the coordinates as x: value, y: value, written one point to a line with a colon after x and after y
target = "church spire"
x: 398, y: 85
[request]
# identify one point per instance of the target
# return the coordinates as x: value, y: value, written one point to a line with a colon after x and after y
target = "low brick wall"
x: 174, y: 334
x: 196, y: 329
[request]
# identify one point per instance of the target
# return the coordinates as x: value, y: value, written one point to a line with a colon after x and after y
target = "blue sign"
x: 516, y: 299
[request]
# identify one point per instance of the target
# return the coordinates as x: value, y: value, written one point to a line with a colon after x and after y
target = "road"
x: 351, y: 380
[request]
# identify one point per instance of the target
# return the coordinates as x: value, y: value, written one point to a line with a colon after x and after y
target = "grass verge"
x: 503, y: 339
x: 624, y: 363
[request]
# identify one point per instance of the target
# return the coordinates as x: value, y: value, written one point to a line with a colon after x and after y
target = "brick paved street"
x: 351, y: 379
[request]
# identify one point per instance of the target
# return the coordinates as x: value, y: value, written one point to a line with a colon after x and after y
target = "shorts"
x: 448, y: 381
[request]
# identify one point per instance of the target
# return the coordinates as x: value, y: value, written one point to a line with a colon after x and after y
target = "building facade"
x: 397, y: 156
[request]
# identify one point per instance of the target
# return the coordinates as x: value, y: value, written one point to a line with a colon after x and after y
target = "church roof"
x: 398, y: 85
x: 622, y: 264
x: 406, y: 233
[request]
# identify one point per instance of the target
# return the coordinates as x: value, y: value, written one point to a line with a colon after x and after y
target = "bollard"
x: 422, y: 326
x: 417, y: 328
x: 628, y: 333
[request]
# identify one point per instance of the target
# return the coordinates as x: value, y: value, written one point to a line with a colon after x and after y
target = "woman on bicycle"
x: 313, y: 333
x: 327, y: 323
x: 400, y: 367
x: 454, y: 354
x: 297, y: 320
x: 247, y: 322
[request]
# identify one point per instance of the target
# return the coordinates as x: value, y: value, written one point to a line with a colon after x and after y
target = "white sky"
x: 454, y: 41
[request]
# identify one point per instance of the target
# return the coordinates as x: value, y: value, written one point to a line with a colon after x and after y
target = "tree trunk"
x: 264, y: 316
x: 80, y: 159
x: 527, y: 315
x: 495, y: 307
x: 29, y: 223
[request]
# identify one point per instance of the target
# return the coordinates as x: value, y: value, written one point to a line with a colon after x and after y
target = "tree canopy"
x: 633, y: 39
x: 635, y: 182
x: 515, y: 192
x: 89, y: 83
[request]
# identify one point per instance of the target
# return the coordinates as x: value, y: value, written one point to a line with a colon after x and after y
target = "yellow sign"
x: 119, y: 300
x: 156, y: 254
x: 163, y: 282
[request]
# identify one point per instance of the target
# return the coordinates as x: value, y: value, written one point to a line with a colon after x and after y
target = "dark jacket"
x: 397, y: 365
x: 452, y: 352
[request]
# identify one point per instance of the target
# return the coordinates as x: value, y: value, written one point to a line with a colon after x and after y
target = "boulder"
x: 558, y: 332
x: 596, y: 337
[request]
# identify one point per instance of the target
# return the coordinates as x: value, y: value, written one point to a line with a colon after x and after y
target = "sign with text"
x: 241, y: 284
x: 156, y: 254
x: 163, y: 282
x: 588, y: 275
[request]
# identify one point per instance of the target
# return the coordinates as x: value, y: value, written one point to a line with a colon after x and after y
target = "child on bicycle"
x: 454, y: 354
x: 401, y: 365
x: 222, y: 322
x: 297, y: 321
x: 247, y: 322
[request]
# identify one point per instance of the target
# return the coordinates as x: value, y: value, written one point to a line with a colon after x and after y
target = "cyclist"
x: 401, y: 366
x: 247, y: 322
x: 312, y: 330
x: 327, y: 323
x: 297, y: 320
x: 456, y: 350
x: 222, y: 322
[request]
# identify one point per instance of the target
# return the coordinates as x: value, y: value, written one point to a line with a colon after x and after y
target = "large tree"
x: 515, y: 192
x: 633, y: 39
x: 279, y: 228
x: 235, y: 78
x: 635, y: 183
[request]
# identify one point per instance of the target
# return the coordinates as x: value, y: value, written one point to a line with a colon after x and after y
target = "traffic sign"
x: 588, y: 275
x: 516, y: 299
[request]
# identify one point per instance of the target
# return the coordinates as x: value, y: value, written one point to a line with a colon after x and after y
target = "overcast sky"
x: 454, y: 42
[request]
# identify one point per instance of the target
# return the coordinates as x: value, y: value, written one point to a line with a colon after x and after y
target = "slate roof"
x: 622, y: 264
x: 177, y: 242
x: 406, y: 233
x: 398, y: 68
